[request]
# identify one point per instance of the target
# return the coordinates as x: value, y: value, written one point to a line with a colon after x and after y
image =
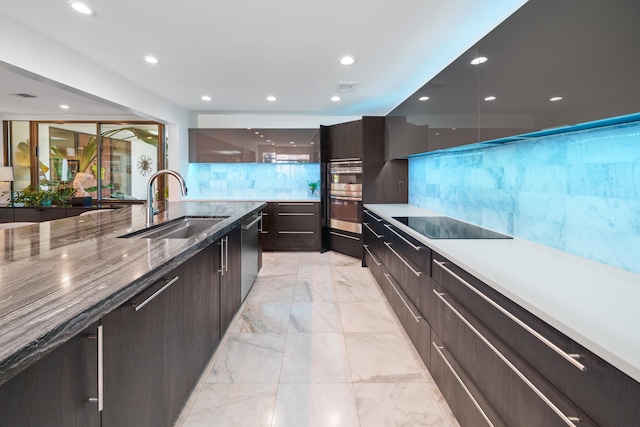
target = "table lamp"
x: 6, y: 175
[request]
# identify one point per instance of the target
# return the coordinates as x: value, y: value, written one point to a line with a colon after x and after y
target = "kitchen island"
x: 61, y: 276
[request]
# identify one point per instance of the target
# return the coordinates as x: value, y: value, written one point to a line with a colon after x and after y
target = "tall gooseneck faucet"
x: 183, y: 188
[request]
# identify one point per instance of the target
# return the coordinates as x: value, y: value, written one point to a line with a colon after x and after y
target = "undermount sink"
x: 181, y: 228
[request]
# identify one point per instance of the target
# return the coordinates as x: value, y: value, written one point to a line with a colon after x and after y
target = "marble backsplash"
x: 252, y: 181
x: 578, y: 192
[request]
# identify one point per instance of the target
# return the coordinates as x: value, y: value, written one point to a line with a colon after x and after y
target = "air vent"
x: 345, y: 87
x: 22, y: 95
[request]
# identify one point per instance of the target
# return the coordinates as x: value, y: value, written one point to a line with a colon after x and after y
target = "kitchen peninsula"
x: 61, y: 277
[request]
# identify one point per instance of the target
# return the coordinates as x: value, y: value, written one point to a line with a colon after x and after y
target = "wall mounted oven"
x: 345, y: 195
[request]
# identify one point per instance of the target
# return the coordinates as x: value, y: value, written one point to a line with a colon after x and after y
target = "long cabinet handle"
x: 295, y: 204
x: 294, y: 214
x: 344, y: 235
x: 296, y: 232
x: 369, y: 213
x: 100, y: 399
x: 137, y: 307
x: 571, y: 358
x: 221, y: 271
x: 226, y: 253
x: 567, y: 420
x: 371, y: 230
x: 464, y: 386
x: 252, y: 223
x: 417, y: 273
x: 366, y: 248
x: 417, y: 318
x: 417, y: 248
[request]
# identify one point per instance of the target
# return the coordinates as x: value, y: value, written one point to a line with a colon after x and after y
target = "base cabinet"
x: 291, y: 226
x: 230, y: 277
x: 55, y: 391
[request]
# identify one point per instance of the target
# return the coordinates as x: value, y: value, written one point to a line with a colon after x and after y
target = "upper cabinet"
x: 344, y: 141
x: 551, y: 65
x: 254, y: 145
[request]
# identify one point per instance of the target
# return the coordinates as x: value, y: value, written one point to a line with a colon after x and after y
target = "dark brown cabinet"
x: 56, y: 390
x: 291, y: 226
x: 157, y: 344
x: 344, y: 141
x: 230, y: 277
x: 40, y: 214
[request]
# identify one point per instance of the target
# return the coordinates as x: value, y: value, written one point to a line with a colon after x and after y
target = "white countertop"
x: 595, y: 304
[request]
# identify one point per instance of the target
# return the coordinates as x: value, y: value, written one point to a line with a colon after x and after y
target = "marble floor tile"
x: 338, y: 259
x: 367, y: 317
x: 381, y: 358
x: 249, y: 358
x: 315, y: 358
x: 263, y: 316
x: 315, y: 317
x: 232, y: 404
x: 281, y: 288
x: 315, y: 405
x: 354, y: 291
x: 320, y: 273
x: 313, y: 290
x: 398, y: 404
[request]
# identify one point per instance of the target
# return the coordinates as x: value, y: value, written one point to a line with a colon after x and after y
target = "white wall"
x: 269, y: 121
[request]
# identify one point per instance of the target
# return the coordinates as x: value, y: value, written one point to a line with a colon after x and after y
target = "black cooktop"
x: 443, y: 227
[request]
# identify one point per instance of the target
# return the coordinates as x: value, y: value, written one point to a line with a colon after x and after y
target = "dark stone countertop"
x: 58, y: 277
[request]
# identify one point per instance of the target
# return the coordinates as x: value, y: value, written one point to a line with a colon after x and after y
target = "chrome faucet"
x: 183, y: 189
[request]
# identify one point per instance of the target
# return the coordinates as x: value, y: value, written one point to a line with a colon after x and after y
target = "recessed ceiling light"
x: 490, y: 98
x: 335, y: 98
x: 555, y: 98
x: 64, y: 107
x: 347, y: 60
x: 205, y: 98
x: 151, y: 59
x: 423, y: 98
x: 80, y: 7
x: 271, y: 98
x: 292, y: 142
x: 257, y: 133
x: 479, y: 60
x: 312, y: 142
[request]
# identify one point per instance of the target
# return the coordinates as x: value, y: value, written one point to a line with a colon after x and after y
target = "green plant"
x: 313, y: 186
x: 32, y: 197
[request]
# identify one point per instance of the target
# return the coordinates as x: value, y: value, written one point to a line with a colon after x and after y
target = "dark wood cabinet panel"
x: 55, y: 391
x: 291, y: 226
x: 606, y: 394
x: 345, y: 141
x: 230, y: 277
x: 513, y: 389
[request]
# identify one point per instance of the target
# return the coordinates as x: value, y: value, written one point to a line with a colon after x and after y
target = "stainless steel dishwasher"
x: 249, y: 253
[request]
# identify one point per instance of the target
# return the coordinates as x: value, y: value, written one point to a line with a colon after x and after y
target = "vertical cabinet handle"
x: 571, y: 358
x: 569, y: 421
x: 222, y: 256
x: 226, y: 254
x: 100, y: 399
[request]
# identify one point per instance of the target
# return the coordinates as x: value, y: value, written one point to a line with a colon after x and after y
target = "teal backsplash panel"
x: 578, y: 192
x: 252, y: 181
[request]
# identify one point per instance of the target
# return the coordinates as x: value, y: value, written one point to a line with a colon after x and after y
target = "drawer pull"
x: 417, y: 318
x: 295, y: 232
x: 571, y: 358
x: 417, y: 273
x: 344, y: 235
x: 567, y: 420
x: 417, y: 248
x: 295, y: 204
x: 137, y: 307
x: 294, y: 214
x: 369, y: 213
x: 464, y: 386
x: 366, y: 248
x: 371, y: 230
x: 100, y: 399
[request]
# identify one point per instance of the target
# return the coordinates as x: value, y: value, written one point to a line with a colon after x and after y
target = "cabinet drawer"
x: 413, y: 322
x: 296, y: 240
x: 296, y: 221
x: 374, y: 222
x: 413, y: 280
x: 606, y: 394
x: 414, y: 252
x: 519, y: 394
x: 299, y: 207
x: 374, y: 243
x: 463, y: 397
x: 372, y: 262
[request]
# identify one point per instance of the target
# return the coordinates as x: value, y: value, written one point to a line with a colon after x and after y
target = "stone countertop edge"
x: 16, y: 357
x: 594, y: 304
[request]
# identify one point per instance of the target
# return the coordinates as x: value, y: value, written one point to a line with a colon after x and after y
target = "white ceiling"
x: 240, y: 51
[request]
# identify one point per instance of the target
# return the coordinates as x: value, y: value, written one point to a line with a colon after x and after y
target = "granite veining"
x: 58, y: 277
